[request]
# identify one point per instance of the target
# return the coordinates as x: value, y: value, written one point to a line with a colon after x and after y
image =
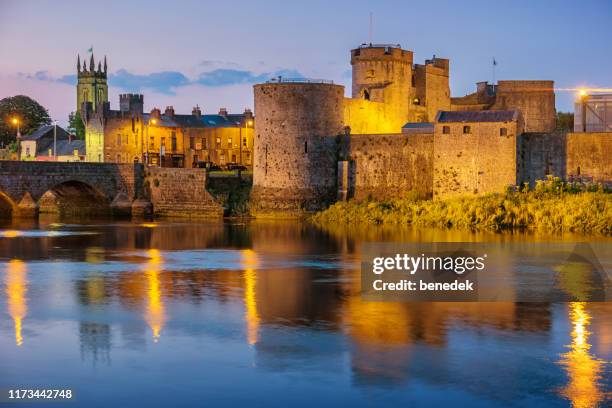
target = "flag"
x: 494, y: 62
x: 91, y: 49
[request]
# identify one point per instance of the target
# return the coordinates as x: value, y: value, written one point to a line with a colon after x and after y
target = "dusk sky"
x: 210, y: 53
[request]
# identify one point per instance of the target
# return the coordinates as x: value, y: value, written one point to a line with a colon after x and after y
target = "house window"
x: 229, y: 142
x: 305, y: 147
x: 27, y: 151
x: 203, y: 143
x: 244, y: 142
x: 467, y: 130
x: 75, y: 152
x: 152, y: 143
x: 366, y: 95
x: 191, y: 142
x: 173, y: 141
x: 446, y: 130
x: 50, y: 152
x: 218, y: 143
x: 118, y: 140
x: 503, y: 131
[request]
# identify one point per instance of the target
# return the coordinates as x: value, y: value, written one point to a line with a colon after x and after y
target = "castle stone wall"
x: 475, y: 163
x: 589, y: 157
x: 177, y: 192
x: 367, y: 117
x: 535, y: 100
x: 389, y: 166
x: 295, y: 146
x: 540, y: 155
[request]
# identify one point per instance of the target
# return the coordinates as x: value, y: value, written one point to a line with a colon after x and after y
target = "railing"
x: 370, y: 45
x: 300, y: 80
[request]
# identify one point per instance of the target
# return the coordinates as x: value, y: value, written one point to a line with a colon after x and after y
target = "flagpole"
x: 493, y: 69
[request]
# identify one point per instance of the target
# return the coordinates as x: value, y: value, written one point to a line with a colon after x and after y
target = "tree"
x: 565, y: 121
x: 75, y: 125
x: 30, y: 114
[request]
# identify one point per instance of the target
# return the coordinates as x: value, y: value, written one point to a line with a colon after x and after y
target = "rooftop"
x: 46, y: 131
x: 477, y: 116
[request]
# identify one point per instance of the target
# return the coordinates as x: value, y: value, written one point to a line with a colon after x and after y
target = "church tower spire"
x: 105, y: 66
x: 78, y: 63
x: 92, y: 64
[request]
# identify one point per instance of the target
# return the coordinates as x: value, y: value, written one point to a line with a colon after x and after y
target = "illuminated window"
x: 446, y: 130
x: 229, y: 142
x: 75, y: 152
x: 218, y: 143
x: 467, y: 130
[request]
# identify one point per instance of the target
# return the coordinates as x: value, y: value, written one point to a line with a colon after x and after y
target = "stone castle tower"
x: 383, y: 73
x: 91, y: 85
x: 295, y: 155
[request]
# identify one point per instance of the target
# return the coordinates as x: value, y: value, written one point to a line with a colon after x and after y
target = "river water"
x: 269, y: 314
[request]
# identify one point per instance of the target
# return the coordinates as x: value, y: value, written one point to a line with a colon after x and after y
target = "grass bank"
x: 553, y: 206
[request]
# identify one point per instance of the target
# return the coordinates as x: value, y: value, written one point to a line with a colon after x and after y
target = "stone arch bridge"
x: 100, y: 188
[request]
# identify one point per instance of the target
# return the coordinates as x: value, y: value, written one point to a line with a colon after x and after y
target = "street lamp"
x: 152, y: 121
x: 247, y: 123
x: 16, y: 123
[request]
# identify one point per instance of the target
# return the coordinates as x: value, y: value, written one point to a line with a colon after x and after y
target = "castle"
x: 401, y: 131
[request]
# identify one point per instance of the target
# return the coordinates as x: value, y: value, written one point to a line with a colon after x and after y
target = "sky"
x: 210, y: 53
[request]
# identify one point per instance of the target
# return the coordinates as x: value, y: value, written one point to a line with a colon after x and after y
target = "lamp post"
x: 18, y: 138
x: 152, y: 121
x: 55, y: 140
x: 247, y: 124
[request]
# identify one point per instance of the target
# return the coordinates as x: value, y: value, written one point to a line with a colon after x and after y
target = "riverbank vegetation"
x: 553, y: 206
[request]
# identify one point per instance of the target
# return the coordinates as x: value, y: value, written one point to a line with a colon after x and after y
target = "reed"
x: 553, y: 205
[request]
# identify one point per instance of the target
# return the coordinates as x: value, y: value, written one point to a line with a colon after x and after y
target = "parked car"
x: 239, y: 167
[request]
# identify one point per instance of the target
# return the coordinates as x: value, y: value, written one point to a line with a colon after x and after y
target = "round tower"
x: 295, y: 146
x: 383, y: 73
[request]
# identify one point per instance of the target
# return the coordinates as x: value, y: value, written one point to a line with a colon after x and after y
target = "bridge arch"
x: 74, y: 197
x: 7, y: 206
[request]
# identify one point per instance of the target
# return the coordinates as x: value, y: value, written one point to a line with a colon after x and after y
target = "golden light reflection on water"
x: 155, y: 312
x: 583, y: 369
x: 16, y: 288
x: 249, y: 262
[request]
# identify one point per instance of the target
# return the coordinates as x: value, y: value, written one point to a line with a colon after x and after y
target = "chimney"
x: 223, y: 112
x: 169, y: 111
x: 248, y: 114
x: 156, y: 113
x: 196, y: 112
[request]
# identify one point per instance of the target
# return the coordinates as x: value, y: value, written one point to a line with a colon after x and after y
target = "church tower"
x: 91, y: 85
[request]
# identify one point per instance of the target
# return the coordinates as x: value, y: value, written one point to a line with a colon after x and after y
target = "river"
x: 269, y: 314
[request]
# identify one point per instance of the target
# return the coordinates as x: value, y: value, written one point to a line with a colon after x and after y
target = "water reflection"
x: 585, y: 371
x: 287, y: 296
x: 250, y: 301
x: 16, y: 288
x: 155, y: 311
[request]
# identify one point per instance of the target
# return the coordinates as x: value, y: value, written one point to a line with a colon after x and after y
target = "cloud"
x: 167, y: 82
x: 163, y: 82
x: 224, y: 77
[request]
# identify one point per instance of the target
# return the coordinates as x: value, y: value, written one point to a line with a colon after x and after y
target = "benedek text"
x: 407, y: 285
